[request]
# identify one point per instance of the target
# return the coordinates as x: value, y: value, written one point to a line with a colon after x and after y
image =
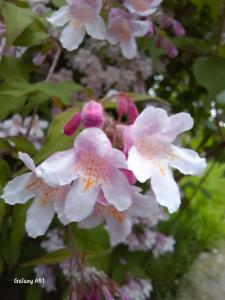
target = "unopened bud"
x: 122, y: 106
x: 178, y: 29
x: 170, y: 49
x: 72, y: 125
x: 92, y: 115
x: 132, y: 112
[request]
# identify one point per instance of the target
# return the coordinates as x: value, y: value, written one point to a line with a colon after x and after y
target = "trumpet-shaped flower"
x: 118, y: 223
x: 48, y: 199
x: 123, y: 29
x: 93, y: 166
x: 77, y: 18
x: 153, y: 153
x: 142, y: 7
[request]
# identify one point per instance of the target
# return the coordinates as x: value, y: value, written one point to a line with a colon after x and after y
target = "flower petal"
x: 93, y: 140
x: 58, y: 168
x: 15, y: 191
x: 140, y: 166
x: 151, y: 121
x: 178, y: 123
x: 92, y: 221
x: 129, y: 49
x: 79, y: 203
x: 39, y: 218
x: 140, y: 28
x: 72, y: 36
x: 165, y: 188
x: 28, y: 161
x: 96, y: 28
x: 59, y: 207
x: 117, y: 190
x: 116, y: 158
x: 187, y: 161
x: 118, y: 232
x: 60, y: 17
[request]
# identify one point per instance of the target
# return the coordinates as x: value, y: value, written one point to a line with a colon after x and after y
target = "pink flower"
x: 92, y: 114
x: 153, y: 153
x: 48, y: 199
x: 77, y: 18
x: 123, y: 29
x: 142, y: 7
x: 118, y: 223
x: 93, y: 166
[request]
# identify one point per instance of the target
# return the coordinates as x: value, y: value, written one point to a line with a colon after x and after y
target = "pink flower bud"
x: 122, y: 106
x: 178, y: 29
x: 170, y: 49
x: 92, y: 115
x: 132, y: 112
x: 166, y: 21
x: 72, y: 125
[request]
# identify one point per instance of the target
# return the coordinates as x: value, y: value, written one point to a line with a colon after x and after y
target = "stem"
x: 49, y: 75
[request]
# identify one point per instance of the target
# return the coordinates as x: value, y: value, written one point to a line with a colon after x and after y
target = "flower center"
x: 46, y: 192
x: 94, y: 169
x: 152, y: 148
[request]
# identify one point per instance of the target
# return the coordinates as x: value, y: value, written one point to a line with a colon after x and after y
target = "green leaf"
x: 5, y: 173
x: 8, y: 64
x: 56, y: 140
x: 34, y: 292
x: 213, y: 5
x: 95, y: 245
x: 16, y: 20
x: 20, y: 143
x: 12, y: 251
x: 10, y: 104
x: 210, y: 73
x: 35, y: 34
x: 50, y: 258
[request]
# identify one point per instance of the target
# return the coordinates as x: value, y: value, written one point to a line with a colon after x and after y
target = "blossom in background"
x: 77, y: 18
x: 93, y: 166
x: 163, y: 244
x: 153, y: 153
x: 138, y: 289
x: 123, y: 29
x: 118, y: 223
x: 142, y: 7
x: 48, y: 199
x: 54, y: 241
x: 17, y: 126
x: 46, y: 273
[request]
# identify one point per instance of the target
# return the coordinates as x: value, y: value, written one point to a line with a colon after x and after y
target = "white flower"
x: 77, y: 18
x: 48, y: 199
x: 153, y: 153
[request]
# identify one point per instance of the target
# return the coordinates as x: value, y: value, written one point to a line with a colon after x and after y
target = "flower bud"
x: 178, y: 29
x: 132, y: 112
x: 92, y: 115
x: 72, y: 125
x: 122, y: 108
x: 170, y: 49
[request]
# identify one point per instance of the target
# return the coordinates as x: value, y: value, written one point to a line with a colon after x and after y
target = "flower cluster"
x: 126, y: 21
x: 92, y: 183
x: 16, y: 125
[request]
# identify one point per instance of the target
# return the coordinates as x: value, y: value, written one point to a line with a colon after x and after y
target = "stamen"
x: 94, y: 169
